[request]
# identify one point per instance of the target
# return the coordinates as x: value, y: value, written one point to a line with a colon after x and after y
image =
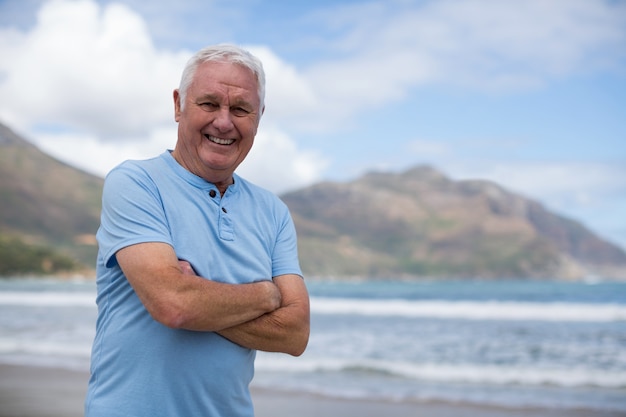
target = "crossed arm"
x: 266, y: 315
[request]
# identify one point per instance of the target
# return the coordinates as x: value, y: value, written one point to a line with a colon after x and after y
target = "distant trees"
x: 20, y: 258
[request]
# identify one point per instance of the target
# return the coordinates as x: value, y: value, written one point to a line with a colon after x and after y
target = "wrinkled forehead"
x: 227, y: 75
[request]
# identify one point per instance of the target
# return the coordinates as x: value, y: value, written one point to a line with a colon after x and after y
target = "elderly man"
x: 197, y: 267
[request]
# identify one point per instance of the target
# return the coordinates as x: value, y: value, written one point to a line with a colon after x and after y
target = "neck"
x: 221, y: 180
x: 223, y: 186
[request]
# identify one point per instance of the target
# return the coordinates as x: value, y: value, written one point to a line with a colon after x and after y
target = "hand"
x: 186, y: 267
x: 274, y: 296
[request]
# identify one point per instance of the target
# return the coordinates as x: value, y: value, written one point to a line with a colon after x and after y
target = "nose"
x: 223, y: 120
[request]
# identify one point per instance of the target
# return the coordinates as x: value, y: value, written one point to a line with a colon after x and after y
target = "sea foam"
x: 47, y: 299
x: 472, y: 310
x: 456, y: 373
x: 440, y: 309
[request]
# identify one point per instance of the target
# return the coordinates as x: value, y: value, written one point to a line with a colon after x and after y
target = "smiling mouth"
x: 219, y: 141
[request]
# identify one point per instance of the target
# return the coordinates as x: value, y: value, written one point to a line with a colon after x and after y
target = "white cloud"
x: 93, y: 67
x: 276, y: 163
x: 287, y: 91
x: 478, y: 44
x: 90, y: 69
x: 558, y: 183
x: 535, y: 38
x: 96, y: 68
x: 98, y: 157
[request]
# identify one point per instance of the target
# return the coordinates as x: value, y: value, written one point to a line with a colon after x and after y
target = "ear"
x: 177, y: 110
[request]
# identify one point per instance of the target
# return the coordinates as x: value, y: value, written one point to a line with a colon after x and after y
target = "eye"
x: 240, y: 111
x: 208, y: 105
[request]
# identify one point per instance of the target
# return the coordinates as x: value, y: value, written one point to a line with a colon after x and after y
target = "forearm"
x: 212, y: 306
x: 176, y: 298
x: 271, y: 332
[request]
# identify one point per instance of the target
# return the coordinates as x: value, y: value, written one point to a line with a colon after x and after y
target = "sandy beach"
x: 50, y: 392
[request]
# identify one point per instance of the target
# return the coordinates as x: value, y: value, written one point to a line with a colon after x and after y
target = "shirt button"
x: 224, y: 210
x: 212, y: 193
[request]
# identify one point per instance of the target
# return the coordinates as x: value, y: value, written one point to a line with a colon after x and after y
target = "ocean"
x: 544, y: 344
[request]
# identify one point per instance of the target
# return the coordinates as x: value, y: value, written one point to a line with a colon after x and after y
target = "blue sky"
x: 529, y: 94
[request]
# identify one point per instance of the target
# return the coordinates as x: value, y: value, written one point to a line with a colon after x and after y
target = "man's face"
x: 217, y: 124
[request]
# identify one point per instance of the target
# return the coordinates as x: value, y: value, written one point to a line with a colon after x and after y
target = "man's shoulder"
x: 140, y: 164
x: 135, y: 168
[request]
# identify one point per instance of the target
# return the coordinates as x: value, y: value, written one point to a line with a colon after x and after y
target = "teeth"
x: 220, y: 141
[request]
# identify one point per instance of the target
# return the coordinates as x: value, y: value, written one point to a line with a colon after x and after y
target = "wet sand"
x: 27, y: 391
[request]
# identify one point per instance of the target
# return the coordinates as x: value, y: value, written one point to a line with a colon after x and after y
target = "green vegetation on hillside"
x: 19, y: 258
x: 50, y: 206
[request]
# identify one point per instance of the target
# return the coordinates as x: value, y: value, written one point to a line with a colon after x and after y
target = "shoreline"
x: 31, y: 391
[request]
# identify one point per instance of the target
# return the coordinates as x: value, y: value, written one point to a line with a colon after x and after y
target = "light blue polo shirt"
x: 140, y: 367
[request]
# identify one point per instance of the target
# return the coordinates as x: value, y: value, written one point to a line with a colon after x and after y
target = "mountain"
x: 417, y: 223
x: 46, y: 203
x: 421, y: 223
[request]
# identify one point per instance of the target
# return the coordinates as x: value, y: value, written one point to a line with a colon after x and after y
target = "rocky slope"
x: 421, y: 223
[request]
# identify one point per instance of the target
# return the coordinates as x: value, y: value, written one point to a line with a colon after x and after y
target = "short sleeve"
x: 132, y: 211
x: 285, y: 254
